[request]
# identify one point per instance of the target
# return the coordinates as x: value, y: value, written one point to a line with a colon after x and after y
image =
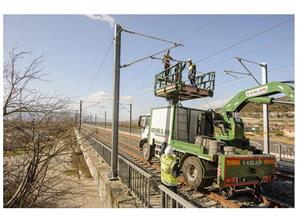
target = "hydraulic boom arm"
x: 259, y: 95
x: 232, y: 129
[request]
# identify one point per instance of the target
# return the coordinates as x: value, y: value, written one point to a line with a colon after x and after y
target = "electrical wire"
x: 93, y: 106
x: 230, y: 81
x: 141, y: 88
x: 244, y: 40
x: 151, y: 37
x: 138, y: 74
x: 252, y: 50
x: 199, y: 29
x: 184, y: 39
x: 124, y: 107
x: 103, y: 61
x: 100, y: 66
x: 281, y: 68
x: 146, y: 57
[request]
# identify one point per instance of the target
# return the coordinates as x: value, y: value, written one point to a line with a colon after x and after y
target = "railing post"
x: 129, y: 176
x: 148, y: 192
x: 162, y: 199
x: 166, y: 200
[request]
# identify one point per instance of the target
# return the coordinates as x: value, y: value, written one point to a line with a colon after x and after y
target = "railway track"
x: 285, y: 170
x: 128, y: 147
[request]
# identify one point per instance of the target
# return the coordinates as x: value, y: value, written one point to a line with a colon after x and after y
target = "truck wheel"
x: 147, y: 152
x: 193, y: 173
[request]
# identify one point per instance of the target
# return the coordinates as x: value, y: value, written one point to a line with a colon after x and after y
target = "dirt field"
x: 280, y: 139
x: 86, y: 192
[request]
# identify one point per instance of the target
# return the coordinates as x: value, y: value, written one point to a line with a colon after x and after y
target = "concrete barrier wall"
x: 113, y: 194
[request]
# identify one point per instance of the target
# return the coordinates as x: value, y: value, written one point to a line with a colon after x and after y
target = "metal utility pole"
x: 265, y: 111
x: 80, y: 115
x: 76, y: 111
x: 130, y: 125
x: 105, y: 119
x: 115, y: 110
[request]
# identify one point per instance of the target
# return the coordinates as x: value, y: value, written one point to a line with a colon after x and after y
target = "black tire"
x: 147, y: 151
x: 208, y: 182
x: 193, y: 173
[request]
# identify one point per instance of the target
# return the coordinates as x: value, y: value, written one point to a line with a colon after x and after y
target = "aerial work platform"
x: 169, y: 84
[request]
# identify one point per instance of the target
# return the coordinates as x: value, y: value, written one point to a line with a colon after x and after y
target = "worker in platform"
x: 192, y: 72
x: 166, y: 60
x: 169, y: 169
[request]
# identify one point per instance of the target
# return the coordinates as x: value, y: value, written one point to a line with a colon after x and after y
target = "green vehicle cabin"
x: 211, y: 146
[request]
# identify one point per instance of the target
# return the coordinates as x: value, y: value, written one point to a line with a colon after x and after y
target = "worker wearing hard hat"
x: 166, y: 60
x: 169, y: 169
x: 192, y: 72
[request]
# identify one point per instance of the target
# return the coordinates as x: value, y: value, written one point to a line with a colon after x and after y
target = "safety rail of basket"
x: 173, y: 76
x: 206, y: 81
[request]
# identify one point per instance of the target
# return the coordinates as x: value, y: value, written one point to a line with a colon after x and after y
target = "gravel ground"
x: 282, y: 191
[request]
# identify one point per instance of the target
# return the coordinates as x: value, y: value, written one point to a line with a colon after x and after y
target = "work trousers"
x: 192, y: 81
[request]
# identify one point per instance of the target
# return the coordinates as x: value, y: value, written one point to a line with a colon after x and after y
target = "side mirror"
x: 142, y: 121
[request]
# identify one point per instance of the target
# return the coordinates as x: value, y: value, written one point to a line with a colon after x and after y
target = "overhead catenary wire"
x: 244, y: 40
x: 245, y: 77
x: 233, y: 45
x: 138, y: 74
x: 184, y: 39
x: 102, y: 61
x: 254, y: 49
x: 146, y: 57
x: 152, y: 37
x: 230, y: 81
x: 281, y: 68
x: 101, y: 65
x: 94, y: 106
x: 122, y: 105
x: 175, y: 44
x: 199, y: 28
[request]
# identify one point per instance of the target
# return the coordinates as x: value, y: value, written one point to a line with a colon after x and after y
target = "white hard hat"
x: 168, y: 150
x: 189, y: 60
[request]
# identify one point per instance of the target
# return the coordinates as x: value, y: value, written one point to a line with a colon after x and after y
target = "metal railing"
x: 136, y: 179
x: 172, y: 75
x: 281, y: 151
x: 206, y: 81
x: 256, y: 144
x: 170, y: 199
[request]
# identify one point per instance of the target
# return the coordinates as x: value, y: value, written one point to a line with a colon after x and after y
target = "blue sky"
x: 75, y: 46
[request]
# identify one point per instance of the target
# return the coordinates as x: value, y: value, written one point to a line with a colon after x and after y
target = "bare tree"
x: 43, y: 136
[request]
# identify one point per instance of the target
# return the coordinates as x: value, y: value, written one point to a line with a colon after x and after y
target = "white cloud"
x: 105, y: 18
x: 99, y: 97
x: 127, y: 99
x: 106, y: 97
x: 207, y: 104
